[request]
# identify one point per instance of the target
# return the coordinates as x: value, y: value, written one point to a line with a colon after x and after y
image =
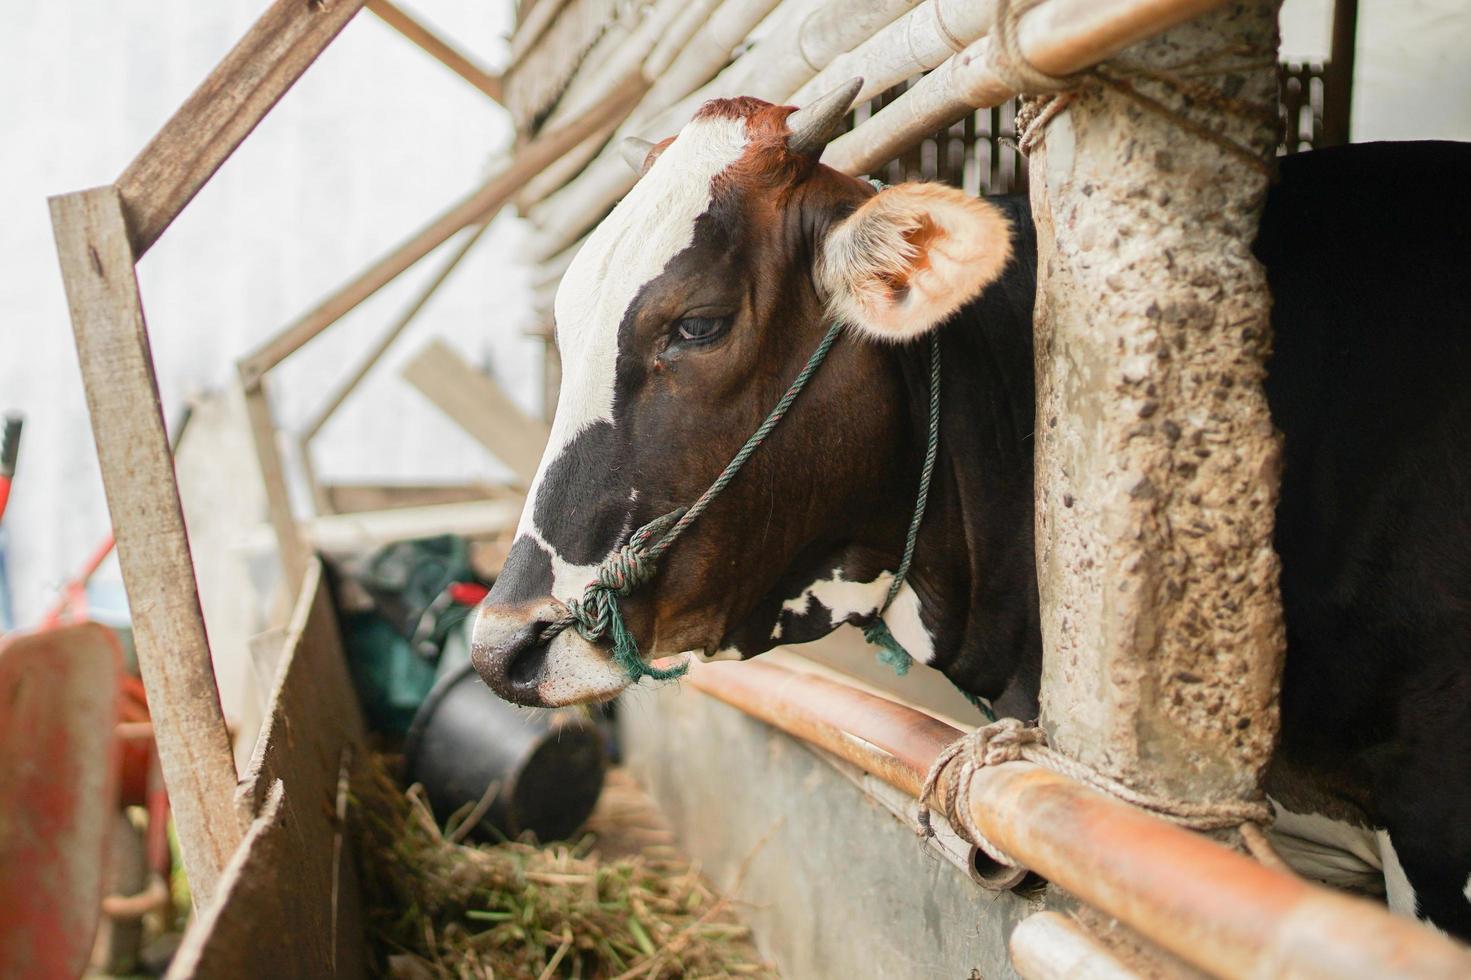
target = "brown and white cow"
x: 682, y: 320
x: 694, y: 304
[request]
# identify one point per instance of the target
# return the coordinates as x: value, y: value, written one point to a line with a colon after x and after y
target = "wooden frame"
x: 100, y: 236
x: 288, y: 813
x: 437, y: 48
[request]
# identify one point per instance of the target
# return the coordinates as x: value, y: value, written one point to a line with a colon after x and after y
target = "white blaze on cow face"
x: 632, y: 246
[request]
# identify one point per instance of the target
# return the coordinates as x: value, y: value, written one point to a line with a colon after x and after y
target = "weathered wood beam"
x: 97, y: 262
x: 291, y: 547
x: 437, y: 48
x: 479, y: 406
x: 294, y: 873
x: 223, y: 110
x: 1157, y: 461
x: 477, y: 207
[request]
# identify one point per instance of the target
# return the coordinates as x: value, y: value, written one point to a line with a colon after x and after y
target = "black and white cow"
x: 693, y: 305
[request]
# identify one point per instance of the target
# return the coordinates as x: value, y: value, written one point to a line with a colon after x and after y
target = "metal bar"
x: 437, y: 47
x: 1211, y: 906
x: 1338, y: 80
x: 223, y: 110
x: 479, y: 206
x: 97, y: 266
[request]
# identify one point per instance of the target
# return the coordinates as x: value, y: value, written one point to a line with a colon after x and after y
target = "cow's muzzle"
x: 509, y: 653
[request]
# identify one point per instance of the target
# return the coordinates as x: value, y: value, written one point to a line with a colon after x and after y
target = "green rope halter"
x: 597, y: 614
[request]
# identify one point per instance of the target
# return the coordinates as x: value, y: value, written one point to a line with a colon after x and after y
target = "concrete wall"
x: 832, y: 884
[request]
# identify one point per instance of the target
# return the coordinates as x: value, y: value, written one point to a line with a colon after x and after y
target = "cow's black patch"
x: 526, y: 575
x: 584, y: 500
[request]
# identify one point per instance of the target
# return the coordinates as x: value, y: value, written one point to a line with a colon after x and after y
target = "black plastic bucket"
x: 548, y: 765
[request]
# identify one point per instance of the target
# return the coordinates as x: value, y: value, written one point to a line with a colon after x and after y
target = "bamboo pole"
x: 1059, y: 37
x: 223, y: 110
x: 437, y: 48
x: 97, y: 266
x: 915, y: 43
x: 1051, y: 946
x: 795, y: 37
x: 590, y: 84
x: 1214, y: 908
x: 533, y: 27
x: 479, y: 206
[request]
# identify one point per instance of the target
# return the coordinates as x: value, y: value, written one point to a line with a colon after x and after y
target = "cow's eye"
x: 702, y: 329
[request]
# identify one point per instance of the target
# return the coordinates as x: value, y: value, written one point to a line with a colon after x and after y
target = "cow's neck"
x: 974, y: 569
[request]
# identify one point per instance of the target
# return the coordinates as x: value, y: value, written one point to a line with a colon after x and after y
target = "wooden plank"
x: 437, y: 48
x: 223, y: 110
x: 355, y: 533
x: 479, y: 206
x: 293, y: 876
x: 479, y: 406
x: 148, y: 522
x: 354, y: 498
x: 293, y: 551
x: 259, y: 926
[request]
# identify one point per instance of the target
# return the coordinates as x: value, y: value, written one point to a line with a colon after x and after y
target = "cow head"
x: 680, y: 323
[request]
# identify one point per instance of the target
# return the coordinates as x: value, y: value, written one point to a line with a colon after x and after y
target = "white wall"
x: 369, y: 144
x: 1412, y: 64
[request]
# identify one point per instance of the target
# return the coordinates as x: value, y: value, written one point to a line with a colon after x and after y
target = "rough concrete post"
x: 1157, y: 462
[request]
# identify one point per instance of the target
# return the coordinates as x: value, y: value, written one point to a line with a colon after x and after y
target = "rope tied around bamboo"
x: 1012, y: 740
x: 1043, y: 96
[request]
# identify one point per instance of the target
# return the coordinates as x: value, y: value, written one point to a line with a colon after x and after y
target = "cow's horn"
x: 813, y: 125
x: 635, y: 153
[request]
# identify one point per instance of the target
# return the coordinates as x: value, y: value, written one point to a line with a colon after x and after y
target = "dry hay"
x: 438, y: 908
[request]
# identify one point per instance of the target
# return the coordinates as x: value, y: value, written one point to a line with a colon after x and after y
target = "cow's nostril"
x: 509, y: 655
x: 527, y: 664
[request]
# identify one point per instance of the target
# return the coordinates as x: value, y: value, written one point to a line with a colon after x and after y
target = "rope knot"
x: 1003, y: 741
x: 1011, y: 740
x: 624, y: 570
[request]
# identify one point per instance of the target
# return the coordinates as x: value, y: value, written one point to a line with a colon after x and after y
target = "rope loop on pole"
x: 1012, y: 740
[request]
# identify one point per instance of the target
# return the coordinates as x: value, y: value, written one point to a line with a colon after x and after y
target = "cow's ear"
x: 910, y: 257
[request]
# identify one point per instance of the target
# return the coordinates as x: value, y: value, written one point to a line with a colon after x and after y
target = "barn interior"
x: 263, y: 648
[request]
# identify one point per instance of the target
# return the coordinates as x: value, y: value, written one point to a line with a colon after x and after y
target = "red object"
x: 58, y: 770
x: 72, y: 606
x: 9, y: 449
x: 467, y: 593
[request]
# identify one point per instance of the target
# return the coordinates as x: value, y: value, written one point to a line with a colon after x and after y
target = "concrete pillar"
x: 1157, y: 462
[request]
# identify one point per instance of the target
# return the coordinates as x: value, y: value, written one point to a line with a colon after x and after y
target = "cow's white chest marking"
x: 633, y: 245
x: 844, y: 599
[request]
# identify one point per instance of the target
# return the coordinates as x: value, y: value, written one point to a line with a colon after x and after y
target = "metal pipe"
x: 1051, y: 946
x: 1214, y: 908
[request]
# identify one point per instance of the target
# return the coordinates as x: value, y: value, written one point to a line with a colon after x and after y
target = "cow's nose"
x: 509, y: 654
